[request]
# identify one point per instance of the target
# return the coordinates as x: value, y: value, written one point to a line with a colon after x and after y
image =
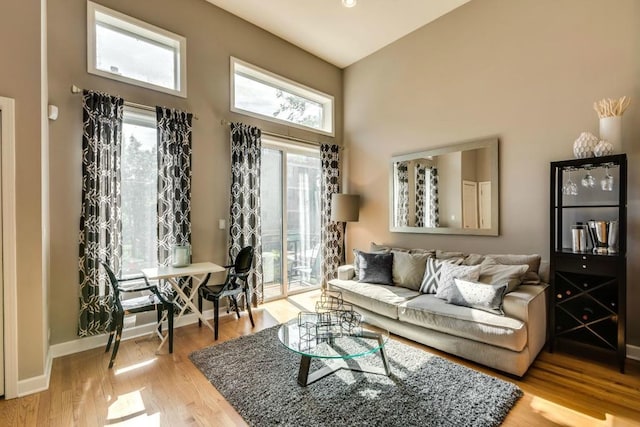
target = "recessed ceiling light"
x: 349, y: 3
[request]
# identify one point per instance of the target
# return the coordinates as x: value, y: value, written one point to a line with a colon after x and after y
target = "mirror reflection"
x: 450, y: 190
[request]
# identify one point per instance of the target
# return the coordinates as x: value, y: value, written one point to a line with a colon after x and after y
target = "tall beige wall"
x: 527, y: 71
x: 20, y: 78
x: 212, y: 36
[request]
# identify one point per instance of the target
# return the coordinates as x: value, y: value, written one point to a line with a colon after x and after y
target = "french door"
x: 290, y: 198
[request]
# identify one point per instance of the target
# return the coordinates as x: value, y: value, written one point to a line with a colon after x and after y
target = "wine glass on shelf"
x: 606, y: 183
x: 588, y: 181
x: 570, y: 188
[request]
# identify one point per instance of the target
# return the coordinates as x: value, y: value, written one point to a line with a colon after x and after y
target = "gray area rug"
x: 258, y: 376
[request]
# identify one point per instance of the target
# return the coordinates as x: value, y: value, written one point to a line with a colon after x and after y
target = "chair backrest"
x: 242, y: 264
x: 113, y: 281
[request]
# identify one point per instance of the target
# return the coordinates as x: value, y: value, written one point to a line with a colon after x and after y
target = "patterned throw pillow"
x: 431, y: 278
x: 450, y: 272
x: 478, y: 295
x: 375, y: 268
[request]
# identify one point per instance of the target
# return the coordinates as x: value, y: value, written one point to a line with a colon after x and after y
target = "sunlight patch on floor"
x: 564, y: 416
x: 130, y: 368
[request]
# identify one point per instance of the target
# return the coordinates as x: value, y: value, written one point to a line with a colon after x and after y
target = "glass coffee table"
x: 330, y: 336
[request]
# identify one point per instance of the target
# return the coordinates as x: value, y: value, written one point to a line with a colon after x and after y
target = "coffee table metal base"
x: 304, y: 378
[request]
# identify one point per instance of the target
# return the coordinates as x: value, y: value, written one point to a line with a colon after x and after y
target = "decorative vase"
x: 180, y: 255
x: 603, y: 148
x: 584, y: 145
x: 611, y: 130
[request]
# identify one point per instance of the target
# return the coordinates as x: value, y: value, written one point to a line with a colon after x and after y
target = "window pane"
x: 132, y: 56
x: 139, y: 169
x: 260, y: 98
x: 271, y: 217
x: 303, y: 220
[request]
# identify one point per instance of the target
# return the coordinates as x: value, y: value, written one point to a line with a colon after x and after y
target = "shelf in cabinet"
x: 587, y: 206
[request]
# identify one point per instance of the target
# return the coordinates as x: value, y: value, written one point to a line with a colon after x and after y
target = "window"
x: 139, y: 190
x: 260, y: 93
x: 126, y: 49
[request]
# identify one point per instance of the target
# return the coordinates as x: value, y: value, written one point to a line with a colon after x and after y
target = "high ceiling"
x: 335, y: 33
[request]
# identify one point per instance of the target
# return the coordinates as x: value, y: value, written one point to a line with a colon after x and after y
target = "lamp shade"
x: 345, y: 207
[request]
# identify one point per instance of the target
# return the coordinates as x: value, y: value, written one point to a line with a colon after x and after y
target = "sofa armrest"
x: 346, y: 272
x: 529, y: 304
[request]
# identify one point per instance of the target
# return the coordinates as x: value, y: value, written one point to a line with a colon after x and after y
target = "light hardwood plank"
x: 145, y: 388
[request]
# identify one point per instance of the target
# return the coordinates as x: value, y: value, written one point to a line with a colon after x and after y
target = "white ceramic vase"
x: 584, y: 145
x: 604, y: 148
x: 611, y: 130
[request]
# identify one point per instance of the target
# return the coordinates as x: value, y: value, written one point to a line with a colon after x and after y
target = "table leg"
x: 383, y: 355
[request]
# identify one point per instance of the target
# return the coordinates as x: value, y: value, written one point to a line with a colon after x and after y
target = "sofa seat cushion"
x: 382, y: 299
x: 431, y: 312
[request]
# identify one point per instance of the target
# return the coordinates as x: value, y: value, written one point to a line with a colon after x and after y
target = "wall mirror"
x: 446, y: 190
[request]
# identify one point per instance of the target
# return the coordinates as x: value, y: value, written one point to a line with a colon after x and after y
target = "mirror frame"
x: 490, y: 143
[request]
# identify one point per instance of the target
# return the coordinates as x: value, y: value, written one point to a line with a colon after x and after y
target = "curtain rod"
x: 224, y: 122
x: 75, y: 90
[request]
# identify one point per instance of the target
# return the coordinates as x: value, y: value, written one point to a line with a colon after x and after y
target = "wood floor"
x: 167, y: 390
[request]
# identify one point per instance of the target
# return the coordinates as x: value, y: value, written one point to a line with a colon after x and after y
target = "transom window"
x: 123, y: 48
x: 260, y: 93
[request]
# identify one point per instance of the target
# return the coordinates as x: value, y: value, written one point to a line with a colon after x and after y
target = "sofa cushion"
x: 375, y: 268
x: 381, y: 299
x: 478, y: 295
x: 408, y: 269
x: 431, y: 312
x: 493, y: 273
x: 449, y: 272
x: 448, y: 255
x: 431, y: 278
x: 531, y: 277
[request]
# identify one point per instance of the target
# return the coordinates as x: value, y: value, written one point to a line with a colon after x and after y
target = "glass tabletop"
x: 309, y: 338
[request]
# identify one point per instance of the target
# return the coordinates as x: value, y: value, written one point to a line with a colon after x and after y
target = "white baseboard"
x: 633, y: 352
x: 89, y: 343
x: 36, y: 384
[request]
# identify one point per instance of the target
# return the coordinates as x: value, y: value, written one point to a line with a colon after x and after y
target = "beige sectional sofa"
x: 508, y: 342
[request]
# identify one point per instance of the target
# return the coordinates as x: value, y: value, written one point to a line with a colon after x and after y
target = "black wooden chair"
x: 235, y: 284
x: 149, y: 302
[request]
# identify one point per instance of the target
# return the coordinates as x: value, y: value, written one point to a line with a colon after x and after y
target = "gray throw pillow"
x: 531, y: 277
x: 450, y: 272
x: 408, y: 269
x: 356, y: 262
x: 478, y: 295
x: 492, y: 273
x: 375, y: 268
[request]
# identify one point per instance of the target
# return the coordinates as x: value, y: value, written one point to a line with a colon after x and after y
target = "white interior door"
x: 469, y: 204
x: 485, y: 204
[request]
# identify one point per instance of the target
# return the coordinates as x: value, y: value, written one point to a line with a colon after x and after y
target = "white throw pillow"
x: 480, y: 296
x: 449, y: 272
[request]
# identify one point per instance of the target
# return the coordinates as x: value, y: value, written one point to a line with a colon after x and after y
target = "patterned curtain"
x: 421, y: 180
x: 402, y: 204
x: 100, y: 236
x: 434, y: 203
x: 332, y: 232
x: 245, y: 228
x: 174, y: 180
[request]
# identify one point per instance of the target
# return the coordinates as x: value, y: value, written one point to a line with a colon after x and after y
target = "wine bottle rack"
x: 588, y: 290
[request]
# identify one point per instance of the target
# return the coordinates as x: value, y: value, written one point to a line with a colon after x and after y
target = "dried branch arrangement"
x: 611, y: 107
